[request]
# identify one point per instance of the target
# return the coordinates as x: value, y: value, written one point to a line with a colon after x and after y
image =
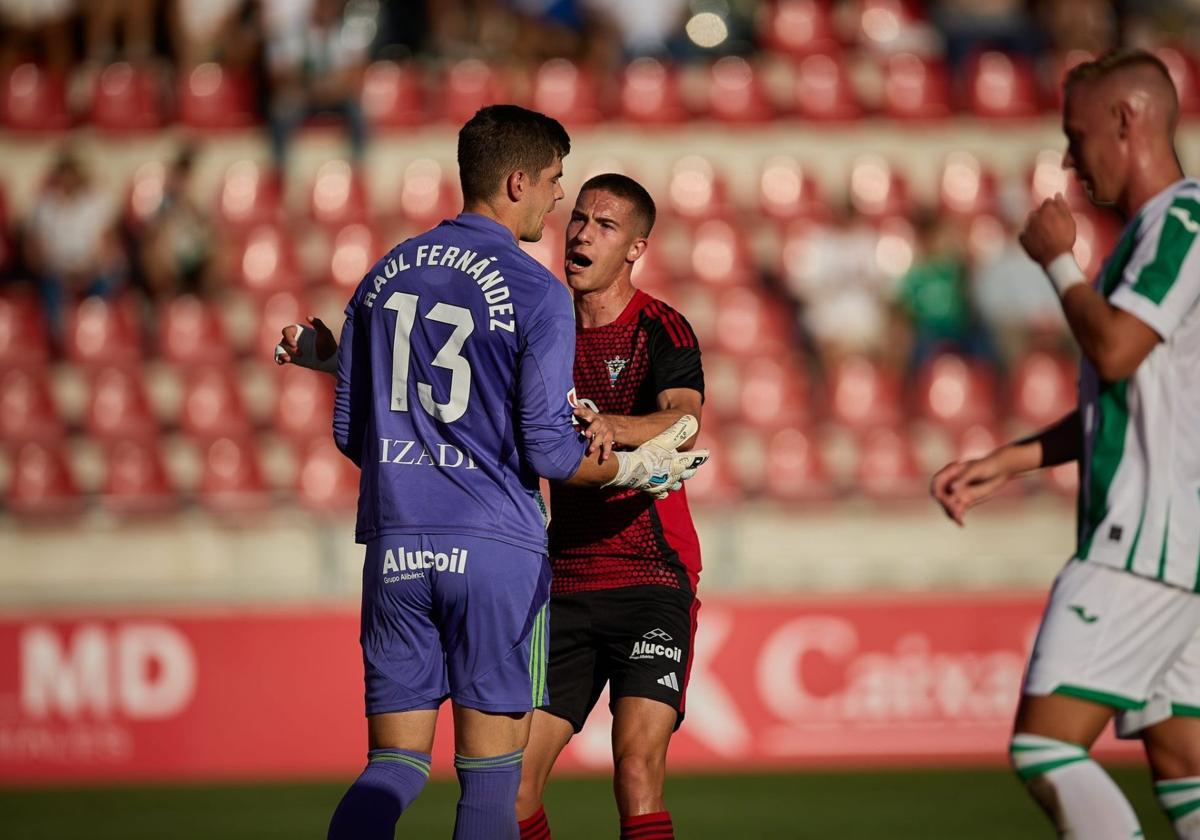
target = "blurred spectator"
x: 316, y: 64
x: 1015, y: 299
x: 72, y: 248
x: 970, y: 26
x: 643, y: 29
x: 176, y: 244
x: 44, y: 25
x: 1089, y: 25
x: 935, y: 297
x: 131, y: 22
x: 224, y: 31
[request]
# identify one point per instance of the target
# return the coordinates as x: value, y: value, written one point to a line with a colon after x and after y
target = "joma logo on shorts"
x: 395, y: 562
x: 649, y: 650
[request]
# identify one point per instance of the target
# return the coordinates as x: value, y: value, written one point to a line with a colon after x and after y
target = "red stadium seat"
x: 27, y: 410
x: 470, y: 85
x: 567, y: 92
x: 695, y: 190
x: 250, y: 194
x: 882, y: 24
x: 797, y: 471
x: 953, y: 392
x: 101, y: 332
x: 651, y: 274
x: 735, y: 92
x: 966, y: 187
x: 877, y: 189
x: 798, y: 27
x: 1060, y: 64
x: 34, y: 100
x: 392, y: 95
x: 145, y: 195
x: 787, y: 190
x: 126, y: 98
x: 355, y: 250
x: 24, y: 337
x: 862, y: 394
x: 303, y: 405
x: 720, y: 256
x: 749, y: 323
x: 915, y: 88
x: 266, y: 261
x: 326, y: 481
x: 42, y: 485
x: 1182, y: 68
x: 650, y: 93
x: 1001, y: 85
x: 277, y: 312
x: 427, y: 194
x: 775, y: 393
x: 825, y: 91
x: 339, y: 196
x: 212, y: 406
x: 212, y: 98
x: 1043, y: 389
x: 117, y: 408
x: 887, y: 466
x: 976, y: 440
x: 716, y: 483
x: 190, y: 332
x: 231, y: 480
x: 136, y: 482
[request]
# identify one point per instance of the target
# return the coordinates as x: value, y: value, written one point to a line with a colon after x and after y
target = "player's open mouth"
x: 577, y: 261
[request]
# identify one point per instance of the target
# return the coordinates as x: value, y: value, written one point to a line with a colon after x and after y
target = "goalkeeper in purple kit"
x: 454, y: 381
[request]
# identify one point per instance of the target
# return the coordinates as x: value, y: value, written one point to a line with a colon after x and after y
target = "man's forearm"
x: 1093, y: 322
x: 634, y: 431
x: 1053, y: 445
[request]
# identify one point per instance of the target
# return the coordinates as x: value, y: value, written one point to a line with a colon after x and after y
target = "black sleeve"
x: 674, y: 351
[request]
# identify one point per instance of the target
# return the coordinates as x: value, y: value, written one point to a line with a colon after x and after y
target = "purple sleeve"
x: 352, y: 392
x: 549, y: 441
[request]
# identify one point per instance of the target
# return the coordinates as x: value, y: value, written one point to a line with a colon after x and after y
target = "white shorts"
x: 1122, y: 640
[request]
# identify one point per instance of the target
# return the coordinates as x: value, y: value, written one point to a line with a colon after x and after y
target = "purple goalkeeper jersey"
x: 454, y: 386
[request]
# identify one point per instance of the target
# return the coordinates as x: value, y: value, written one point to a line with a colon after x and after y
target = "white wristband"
x: 1065, y: 272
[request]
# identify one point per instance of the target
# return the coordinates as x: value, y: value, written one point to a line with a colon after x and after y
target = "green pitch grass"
x: 924, y: 804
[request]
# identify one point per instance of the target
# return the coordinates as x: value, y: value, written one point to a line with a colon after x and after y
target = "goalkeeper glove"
x: 306, y: 355
x: 657, y: 467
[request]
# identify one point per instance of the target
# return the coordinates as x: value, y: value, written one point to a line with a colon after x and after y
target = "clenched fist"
x: 1049, y: 231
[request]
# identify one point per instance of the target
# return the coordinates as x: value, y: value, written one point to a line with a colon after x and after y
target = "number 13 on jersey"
x: 448, y: 357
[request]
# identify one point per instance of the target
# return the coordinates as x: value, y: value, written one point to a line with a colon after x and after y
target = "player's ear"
x: 1124, y: 115
x: 515, y: 184
x: 636, y: 250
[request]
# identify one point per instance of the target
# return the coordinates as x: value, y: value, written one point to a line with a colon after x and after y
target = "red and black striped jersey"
x: 610, y: 538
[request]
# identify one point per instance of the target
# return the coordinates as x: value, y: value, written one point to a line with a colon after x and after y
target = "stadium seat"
x: 1059, y: 65
x: 736, y: 94
x: 651, y: 273
x: 117, y: 408
x: 469, y: 85
x: 212, y: 406
x: 250, y: 194
x: 392, y: 95
x: 1001, y: 86
x: 338, y: 196
x: 798, y: 28
x: 915, y: 88
x: 715, y: 484
x: 136, y: 482
x: 1182, y: 68
x: 303, y: 404
x: 34, y: 100
x: 567, y: 92
x: 211, y: 98
x: 126, y: 98
x: 966, y: 187
x: 276, y: 312
x: 862, y: 394
x: 882, y: 25
x: 265, y: 261
x: 953, y: 392
x: 102, y: 332
x: 326, y: 481
x: 750, y: 323
x: 976, y: 440
x: 27, y: 410
x: 877, y: 189
x: 650, y: 93
x: 355, y: 250
x: 775, y: 393
x: 824, y: 90
x: 231, y: 480
x: 695, y: 190
x: 145, y: 194
x: 788, y: 190
x: 797, y: 470
x: 720, y: 255
x: 427, y: 194
x: 1042, y: 389
x: 190, y: 332
x: 42, y: 485
x: 887, y: 466
x: 24, y: 337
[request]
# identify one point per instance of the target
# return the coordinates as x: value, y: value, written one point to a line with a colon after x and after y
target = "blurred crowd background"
x: 839, y: 186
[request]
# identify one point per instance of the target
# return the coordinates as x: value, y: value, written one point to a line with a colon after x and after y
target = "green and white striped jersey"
x: 1139, y: 495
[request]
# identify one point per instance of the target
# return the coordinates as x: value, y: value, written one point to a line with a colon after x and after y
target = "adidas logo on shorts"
x: 669, y: 681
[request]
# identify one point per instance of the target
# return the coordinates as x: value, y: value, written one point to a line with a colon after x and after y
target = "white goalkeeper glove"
x: 657, y: 467
x: 306, y: 352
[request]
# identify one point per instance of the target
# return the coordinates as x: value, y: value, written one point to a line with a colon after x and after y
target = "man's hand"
x: 657, y: 467
x: 313, y: 347
x: 600, y: 431
x: 961, y: 485
x: 1049, y: 231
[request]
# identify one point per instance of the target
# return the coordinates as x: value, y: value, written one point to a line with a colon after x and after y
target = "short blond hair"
x: 1114, y: 61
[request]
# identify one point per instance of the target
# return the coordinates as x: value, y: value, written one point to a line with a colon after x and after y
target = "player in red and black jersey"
x: 623, y: 599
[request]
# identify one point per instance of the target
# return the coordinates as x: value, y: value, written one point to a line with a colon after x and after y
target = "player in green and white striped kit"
x: 1121, y: 632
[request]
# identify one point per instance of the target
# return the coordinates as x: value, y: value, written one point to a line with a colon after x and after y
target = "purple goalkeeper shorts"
x: 454, y: 616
